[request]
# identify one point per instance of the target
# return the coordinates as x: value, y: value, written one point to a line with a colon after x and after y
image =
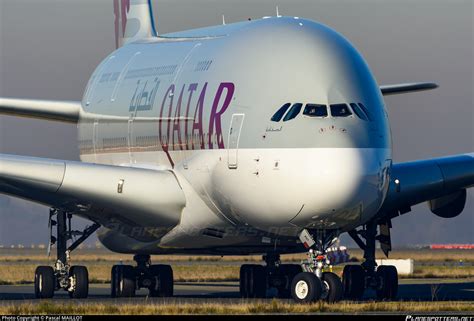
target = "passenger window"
x: 315, y: 110
x: 340, y: 110
x: 359, y: 112
x: 366, y: 111
x: 279, y: 114
x: 294, y: 111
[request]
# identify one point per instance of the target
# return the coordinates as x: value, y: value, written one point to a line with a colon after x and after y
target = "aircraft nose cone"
x: 347, y: 187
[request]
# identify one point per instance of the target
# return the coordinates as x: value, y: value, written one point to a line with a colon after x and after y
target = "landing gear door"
x: 233, y: 142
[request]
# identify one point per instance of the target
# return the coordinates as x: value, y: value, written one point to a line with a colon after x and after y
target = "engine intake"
x: 450, y: 205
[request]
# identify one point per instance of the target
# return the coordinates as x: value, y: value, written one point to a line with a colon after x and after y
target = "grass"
x: 421, y: 255
x: 274, y: 306
x: 452, y: 272
x: 200, y: 272
x: 24, y: 273
x: 17, y: 265
x: 102, y: 255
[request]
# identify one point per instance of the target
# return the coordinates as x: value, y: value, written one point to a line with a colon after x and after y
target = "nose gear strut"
x: 317, y: 278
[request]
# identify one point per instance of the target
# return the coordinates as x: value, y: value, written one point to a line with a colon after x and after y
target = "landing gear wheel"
x: 388, y: 282
x: 79, y: 282
x: 243, y: 281
x: 288, y: 272
x: 353, y: 280
x: 123, y: 281
x: 44, y: 282
x: 332, y: 287
x: 306, y: 287
x: 162, y: 285
x: 253, y: 281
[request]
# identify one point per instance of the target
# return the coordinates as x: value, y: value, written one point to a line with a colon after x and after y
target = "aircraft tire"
x: 306, y: 287
x: 163, y: 280
x: 123, y: 281
x: 353, y: 280
x: 287, y: 272
x: 253, y: 281
x: 333, y: 287
x: 388, y: 282
x: 79, y: 275
x: 44, y: 282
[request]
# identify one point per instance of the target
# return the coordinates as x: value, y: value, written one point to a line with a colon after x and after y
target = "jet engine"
x: 450, y: 205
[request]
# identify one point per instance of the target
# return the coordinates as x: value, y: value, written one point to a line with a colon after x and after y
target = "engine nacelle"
x: 450, y: 205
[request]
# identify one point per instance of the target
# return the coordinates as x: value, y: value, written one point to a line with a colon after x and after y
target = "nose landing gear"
x: 322, y: 284
x: 306, y: 282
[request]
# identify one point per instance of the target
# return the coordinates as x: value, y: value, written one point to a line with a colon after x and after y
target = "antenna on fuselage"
x: 223, y: 20
x: 278, y: 12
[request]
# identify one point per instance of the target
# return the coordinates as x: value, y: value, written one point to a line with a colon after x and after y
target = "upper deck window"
x: 315, y: 110
x: 280, y: 112
x: 340, y: 110
x: 359, y: 112
x: 293, y: 112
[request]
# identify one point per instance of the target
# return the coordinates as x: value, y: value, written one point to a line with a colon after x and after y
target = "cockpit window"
x: 358, y: 111
x: 366, y: 111
x: 279, y: 114
x: 340, y: 110
x: 315, y: 110
x: 293, y: 112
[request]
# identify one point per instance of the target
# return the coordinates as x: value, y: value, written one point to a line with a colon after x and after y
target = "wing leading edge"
x: 63, y: 111
x: 406, y: 88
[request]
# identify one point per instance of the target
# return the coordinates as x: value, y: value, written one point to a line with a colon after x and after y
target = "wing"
x: 64, y: 111
x: 102, y: 193
x: 406, y: 88
x: 440, y: 181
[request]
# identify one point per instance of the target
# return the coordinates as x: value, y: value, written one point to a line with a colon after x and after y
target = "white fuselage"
x: 200, y: 103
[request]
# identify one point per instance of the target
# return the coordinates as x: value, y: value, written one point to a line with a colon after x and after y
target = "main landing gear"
x: 383, y: 279
x: 256, y: 279
x: 72, y: 278
x: 126, y: 279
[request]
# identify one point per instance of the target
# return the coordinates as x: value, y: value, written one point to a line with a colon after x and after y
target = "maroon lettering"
x: 176, y: 122
x: 215, y: 118
x: 164, y: 138
x: 197, y: 122
x: 192, y: 88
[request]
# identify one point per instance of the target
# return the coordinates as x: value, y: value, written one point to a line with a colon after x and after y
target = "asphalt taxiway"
x: 227, y: 292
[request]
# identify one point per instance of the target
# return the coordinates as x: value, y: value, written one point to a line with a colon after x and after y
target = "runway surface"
x: 228, y: 292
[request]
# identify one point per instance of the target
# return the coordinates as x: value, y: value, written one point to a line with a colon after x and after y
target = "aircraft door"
x: 233, y: 142
x: 189, y: 141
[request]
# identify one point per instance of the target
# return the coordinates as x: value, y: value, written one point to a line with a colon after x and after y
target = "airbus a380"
x: 266, y: 137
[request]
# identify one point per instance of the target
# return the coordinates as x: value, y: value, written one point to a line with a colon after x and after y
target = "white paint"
x: 405, y: 267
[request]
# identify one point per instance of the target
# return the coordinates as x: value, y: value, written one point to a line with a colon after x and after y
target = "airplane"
x: 266, y: 136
